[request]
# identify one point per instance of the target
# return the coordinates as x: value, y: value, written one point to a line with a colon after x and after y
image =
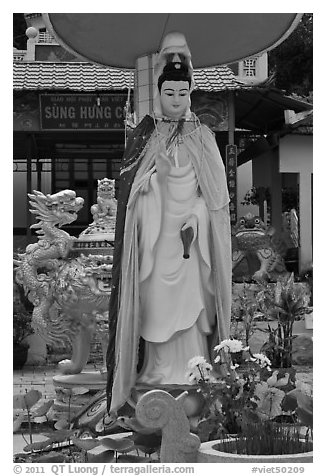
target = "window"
x: 249, y: 67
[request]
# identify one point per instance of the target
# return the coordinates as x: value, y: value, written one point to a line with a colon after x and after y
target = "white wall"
x: 296, y: 156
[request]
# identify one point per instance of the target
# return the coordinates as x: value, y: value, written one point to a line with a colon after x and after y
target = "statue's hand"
x: 191, y: 222
x: 163, y: 166
x: 188, y: 234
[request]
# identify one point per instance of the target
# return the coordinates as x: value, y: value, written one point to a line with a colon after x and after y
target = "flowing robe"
x: 211, y: 261
x: 176, y: 294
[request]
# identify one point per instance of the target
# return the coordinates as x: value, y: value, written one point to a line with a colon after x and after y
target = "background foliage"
x: 291, y: 62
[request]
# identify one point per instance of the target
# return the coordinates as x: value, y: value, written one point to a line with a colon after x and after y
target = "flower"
x: 262, y: 360
x: 230, y: 345
x: 229, y: 400
x: 248, y: 392
x: 217, y: 359
x: 234, y: 366
x: 198, y: 360
x: 199, y: 369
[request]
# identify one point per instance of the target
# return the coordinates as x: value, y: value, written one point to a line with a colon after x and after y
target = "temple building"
x: 70, y: 130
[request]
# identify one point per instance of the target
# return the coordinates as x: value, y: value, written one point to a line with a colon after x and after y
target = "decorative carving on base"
x: 157, y: 409
x: 75, y: 392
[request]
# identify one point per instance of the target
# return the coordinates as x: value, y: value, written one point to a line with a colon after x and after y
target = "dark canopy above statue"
x: 118, y: 39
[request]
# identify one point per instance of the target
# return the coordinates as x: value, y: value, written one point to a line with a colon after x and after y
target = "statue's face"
x: 175, y: 98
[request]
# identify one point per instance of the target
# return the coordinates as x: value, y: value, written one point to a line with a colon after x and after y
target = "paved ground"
x: 40, y: 378
x: 37, y: 378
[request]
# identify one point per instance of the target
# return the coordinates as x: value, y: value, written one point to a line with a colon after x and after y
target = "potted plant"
x: 245, y: 312
x: 229, y: 399
x: 282, y: 304
x: 261, y: 442
x: 22, y: 328
x: 248, y: 400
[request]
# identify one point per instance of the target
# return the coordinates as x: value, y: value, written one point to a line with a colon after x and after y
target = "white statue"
x: 172, y: 263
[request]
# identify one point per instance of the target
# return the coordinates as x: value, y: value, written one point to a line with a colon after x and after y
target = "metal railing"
x: 45, y: 37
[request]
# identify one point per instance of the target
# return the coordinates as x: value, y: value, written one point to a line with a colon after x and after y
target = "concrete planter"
x: 209, y: 453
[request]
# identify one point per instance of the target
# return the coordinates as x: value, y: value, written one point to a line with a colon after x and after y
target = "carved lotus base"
x: 73, y: 392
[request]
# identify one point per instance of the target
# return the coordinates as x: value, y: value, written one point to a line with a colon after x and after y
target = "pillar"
x: 305, y: 221
x: 276, y: 190
x: 231, y: 117
x: 32, y: 35
x: 29, y: 185
x: 144, y: 86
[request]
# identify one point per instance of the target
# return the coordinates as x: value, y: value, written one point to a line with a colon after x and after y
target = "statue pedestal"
x: 73, y: 392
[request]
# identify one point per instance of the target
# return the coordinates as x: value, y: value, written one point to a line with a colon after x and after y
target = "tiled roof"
x: 303, y: 126
x: 216, y: 79
x: 70, y: 76
x: 89, y: 77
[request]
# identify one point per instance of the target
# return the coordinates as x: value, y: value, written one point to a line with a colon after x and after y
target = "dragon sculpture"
x: 36, y: 267
x: 82, y: 288
x: 260, y: 246
x: 66, y: 278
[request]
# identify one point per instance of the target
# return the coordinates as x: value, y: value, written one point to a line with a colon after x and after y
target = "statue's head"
x: 173, y: 65
x: 174, y: 89
x: 106, y: 186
